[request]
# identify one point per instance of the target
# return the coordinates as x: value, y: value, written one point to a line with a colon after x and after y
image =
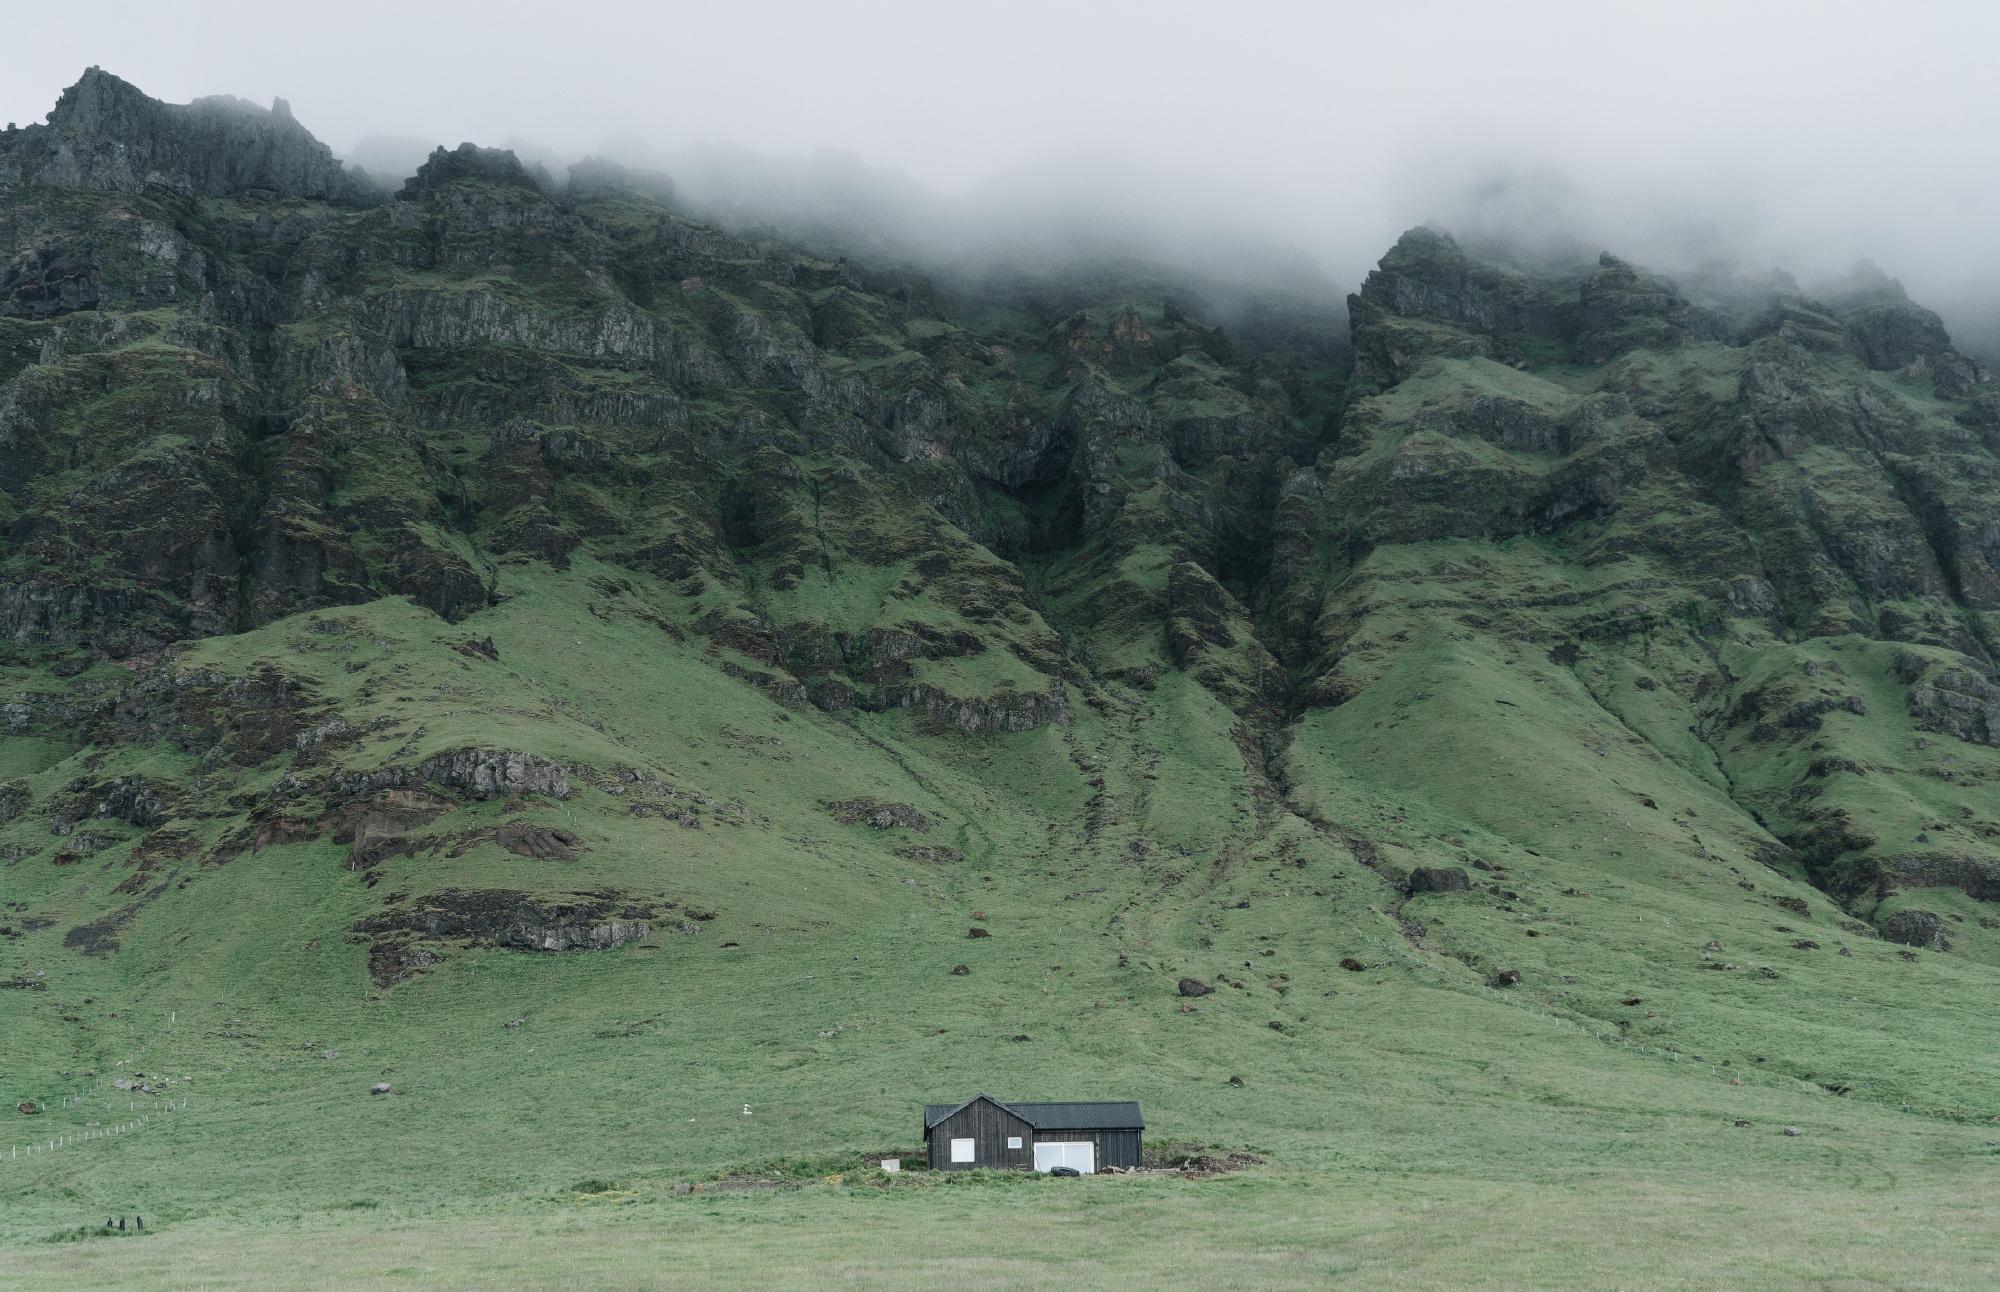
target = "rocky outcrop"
x: 1438, y: 879
x: 244, y: 719
x: 15, y: 795
x: 1914, y: 928
x: 476, y: 773
x: 878, y: 815
x: 512, y: 920
x: 1619, y: 310
x: 488, y: 773
x: 1974, y: 876
x: 1954, y: 702
x: 515, y: 920
x: 133, y: 800
x: 378, y: 826
x: 1427, y: 276
x: 1897, y: 333
x: 470, y: 162
x: 999, y: 712
x: 104, y: 134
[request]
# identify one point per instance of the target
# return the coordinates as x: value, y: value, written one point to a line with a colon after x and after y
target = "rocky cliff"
x: 1576, y: 524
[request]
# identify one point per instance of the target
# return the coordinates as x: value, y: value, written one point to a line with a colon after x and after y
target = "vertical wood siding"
x: 988, y: 1126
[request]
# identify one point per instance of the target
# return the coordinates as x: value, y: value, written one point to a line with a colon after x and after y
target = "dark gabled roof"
x: 1106, y: 1114
x: 935, y: 1113
x: 1114, y: 1114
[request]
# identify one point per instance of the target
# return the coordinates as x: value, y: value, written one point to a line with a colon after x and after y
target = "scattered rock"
x: 492, y: 773
x: 1352, y: 965
x: 1914, y: 928
x: 932, y: 853
x: 27, y: 1108
x: 380, y: 1088
x: 1793, y: 1130
x: 1438, y: 879
x: 585, y: 922
x: 544, y: 843
x: 961, y: 969
x: 1237, y: 1082
x: 1194, y: 987
x: 878, y: 815
x: 976, y: 932
x: 1507, y: 978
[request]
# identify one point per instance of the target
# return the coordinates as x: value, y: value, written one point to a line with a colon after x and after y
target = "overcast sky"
x: 1808, y: 132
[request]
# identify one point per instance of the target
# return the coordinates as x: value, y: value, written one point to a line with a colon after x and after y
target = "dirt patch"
x: 157, y: 847
x: 1199, y: 1163
x: 543, y: 843
x: 100, y: 937
x: 378, y: 827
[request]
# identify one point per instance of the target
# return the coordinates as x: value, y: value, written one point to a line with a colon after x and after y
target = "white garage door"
x: 1080, y: 1154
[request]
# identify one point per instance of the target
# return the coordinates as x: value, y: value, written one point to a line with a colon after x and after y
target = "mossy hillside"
x: 858, y: 611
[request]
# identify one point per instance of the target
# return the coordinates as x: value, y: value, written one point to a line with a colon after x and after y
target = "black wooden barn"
x: 987, y: 1132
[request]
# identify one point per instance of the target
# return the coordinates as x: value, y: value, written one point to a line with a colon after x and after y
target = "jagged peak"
x: 1422, y: 244
x: 448, y: 166
x: 106, y: 134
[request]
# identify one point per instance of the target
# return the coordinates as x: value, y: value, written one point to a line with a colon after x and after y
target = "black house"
x: 985, y: 1132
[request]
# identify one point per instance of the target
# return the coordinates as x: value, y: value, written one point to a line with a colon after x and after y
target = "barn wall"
x: 1118, y: 1148
x: 1114, y: 1147
x: 989, y: 1126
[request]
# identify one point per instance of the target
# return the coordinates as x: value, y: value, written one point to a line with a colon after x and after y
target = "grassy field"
x: 1616, y: 1119
x: 939, y: 699
x: 1878, y: 1229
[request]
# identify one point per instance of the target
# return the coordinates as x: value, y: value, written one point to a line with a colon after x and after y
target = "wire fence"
x: 81, y: 1097
x: 77, y: 1138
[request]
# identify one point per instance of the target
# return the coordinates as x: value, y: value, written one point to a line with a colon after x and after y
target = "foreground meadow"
x: 1870, y: 1226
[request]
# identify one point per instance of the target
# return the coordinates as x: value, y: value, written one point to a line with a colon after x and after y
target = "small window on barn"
x: 961, y: 1150
x: 1013, y: 1141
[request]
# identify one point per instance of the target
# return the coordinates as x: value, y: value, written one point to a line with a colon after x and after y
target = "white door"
x: 1080, y: 1154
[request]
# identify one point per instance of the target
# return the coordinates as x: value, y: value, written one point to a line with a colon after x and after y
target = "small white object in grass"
x: 892, y: 1164
x: 746, y: 1110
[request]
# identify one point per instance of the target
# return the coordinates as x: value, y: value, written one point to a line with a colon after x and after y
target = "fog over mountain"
x: 1385, y: 619
x: 1812, y: 135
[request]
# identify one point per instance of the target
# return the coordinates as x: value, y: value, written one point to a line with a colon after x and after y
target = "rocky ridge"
x: 242, y: 391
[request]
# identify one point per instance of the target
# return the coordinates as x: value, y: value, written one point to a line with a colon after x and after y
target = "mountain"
x: 398, y: 591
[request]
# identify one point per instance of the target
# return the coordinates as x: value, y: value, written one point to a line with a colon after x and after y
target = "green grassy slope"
x: 596, y: 675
